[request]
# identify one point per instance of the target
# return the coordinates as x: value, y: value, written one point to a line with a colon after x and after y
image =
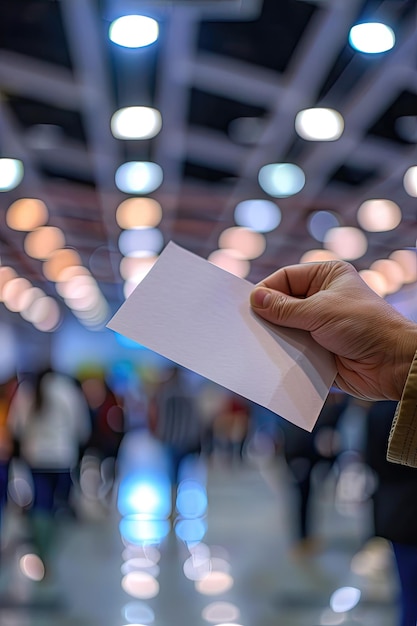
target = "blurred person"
x: 303, y: 452
x: 7, y: 389
x: 50, y: 422
x: 374, y: 346
x: 174, y: 421
x: 231, y: 426
x: 394, y: 506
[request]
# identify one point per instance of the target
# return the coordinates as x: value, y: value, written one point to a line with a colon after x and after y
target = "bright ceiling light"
x: 410, y: 181
x: 319, y: 124
x: 281, y: 179
x: 371, y: 37
x: 379, y: 215
x: 26, y: 214
x: 138, y: 213
x: 320, y: 222
x: 136, y: 123
x: 260, y: 215
x: 347, y: 242
x: 11, y: 173
x: 139, y: 177
x: 134, y: 31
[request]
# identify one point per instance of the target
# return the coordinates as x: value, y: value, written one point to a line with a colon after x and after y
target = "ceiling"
x: 216, y: 61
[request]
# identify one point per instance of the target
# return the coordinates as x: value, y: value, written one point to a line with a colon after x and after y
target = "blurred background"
x: 256, y: 134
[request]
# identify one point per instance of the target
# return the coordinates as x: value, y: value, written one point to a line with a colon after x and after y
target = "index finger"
x: 305, y: 279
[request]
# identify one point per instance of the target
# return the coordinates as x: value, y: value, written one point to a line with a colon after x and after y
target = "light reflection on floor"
x: 244, y: 572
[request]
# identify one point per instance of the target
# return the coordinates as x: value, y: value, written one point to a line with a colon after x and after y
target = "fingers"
x: 281, y: 309
x: 305, y: 279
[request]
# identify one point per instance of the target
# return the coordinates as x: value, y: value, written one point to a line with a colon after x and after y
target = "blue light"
x: 139, y: 531
x: 260, y: 215
x: 138, y: 177
x: 136, y: 241
x: 320, y: 222
x: 191, y: 530
x: 191, y: 499
x: 145, y: 493
x: 281, y: 179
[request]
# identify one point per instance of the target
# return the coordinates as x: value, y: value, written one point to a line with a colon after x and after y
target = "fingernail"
x: 260, y: 298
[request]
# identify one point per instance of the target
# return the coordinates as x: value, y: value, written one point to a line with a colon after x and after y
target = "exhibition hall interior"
x: 157, y: 159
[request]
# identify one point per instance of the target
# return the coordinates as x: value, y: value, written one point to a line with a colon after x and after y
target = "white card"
x: 199, y: 316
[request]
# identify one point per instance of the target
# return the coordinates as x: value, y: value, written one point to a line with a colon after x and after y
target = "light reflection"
x: 227, y: 260
x: 138, y: 612
x: 191, y: 499
x: 379, y: 215
x: 347, y: 242
x: 220, y: 612
x: 248, y: 244
x: 58, y: 261
x: 214, y: 583
x: 259, y: 215
x: 138, y: 564
x: 140, y: 585
x: 32, y: 567
x: 330, y: 618
x: 344, y: 599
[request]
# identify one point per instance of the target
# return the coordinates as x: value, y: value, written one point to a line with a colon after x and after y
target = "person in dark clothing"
x: 395, y: 506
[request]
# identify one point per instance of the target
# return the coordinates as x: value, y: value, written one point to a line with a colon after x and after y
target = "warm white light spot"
x: 134, y: 31
x: 214, y: 583
x: 319, y: 124
x: 136, y: 123
x: 318, y: 256
x: 59, y: 260
x: 391, y: 271
x: 6, y: 274
x: 52, y: 318
x: 375, y: 281
x: 247, y: 243
x: 408, y: 261
x: 347, y: 242
x: 32, y: 567
x: 281, y: 179
x: 138, y: 213
x: 41, y: 242
x: 13, y: 293
x: 260, y: 215
x: 70, y: 271
x: 197, y: 568
x: 371, y: 37
x: 320, y: 222
x: 138, y: 177
x: 40, y: 310
x: 217, y: 612
x: 136, y: 241
x: 140, y: 585
x: 28, y: 297
x: 11, y: 173
x: 136, y: 268
x: 344, y: 599
x: 26, y: 214
x: 227, y: 260
x: 410, y: 181
x: 379, y: 215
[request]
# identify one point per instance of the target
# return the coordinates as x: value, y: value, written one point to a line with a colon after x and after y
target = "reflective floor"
x: 263, y: 578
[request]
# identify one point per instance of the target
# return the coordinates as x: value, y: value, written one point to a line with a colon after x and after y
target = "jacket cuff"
x: 402, y: 441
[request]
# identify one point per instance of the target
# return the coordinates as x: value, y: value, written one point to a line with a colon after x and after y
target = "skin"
x: 373, y: 344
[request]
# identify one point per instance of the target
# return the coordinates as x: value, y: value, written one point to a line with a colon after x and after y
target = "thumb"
x: 279, y: 308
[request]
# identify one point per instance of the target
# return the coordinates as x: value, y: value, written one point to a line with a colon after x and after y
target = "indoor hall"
x: 199, y: 146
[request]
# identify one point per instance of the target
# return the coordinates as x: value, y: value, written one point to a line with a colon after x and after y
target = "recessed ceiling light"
x: 371, y: 37
x: 319, y: 124
x: 134, y: 31
x: 136, y: 123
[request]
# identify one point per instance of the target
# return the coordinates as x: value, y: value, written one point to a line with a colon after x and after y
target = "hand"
x: 373, y: 344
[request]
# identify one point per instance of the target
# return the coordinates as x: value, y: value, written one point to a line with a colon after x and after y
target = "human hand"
x: 373, y: 344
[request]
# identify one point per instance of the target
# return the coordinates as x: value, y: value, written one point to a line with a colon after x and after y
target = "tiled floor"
x: 249, y: 526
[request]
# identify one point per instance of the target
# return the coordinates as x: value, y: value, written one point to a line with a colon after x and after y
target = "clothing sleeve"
x: 402, y: 441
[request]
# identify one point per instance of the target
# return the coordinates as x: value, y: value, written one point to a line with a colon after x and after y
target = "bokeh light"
x: 6, y: 273
x: 139, y: 177
x: 42, y: 241
x: 391, y: 271
x: 140, y: 585
x: 141, y: 242
x: 217, y: 612
x: 408, y: 261
x: 247, y: 244
x: 259, y: 215
x: 11, y: 173
x: 13, y: 293
x: 379, y: 215
x: 410, y: 181
x: 281, y: 179
x: 344, y: 599
x: 371, y: 37
x: 228, y: 261
x: 26, y: 214
x: 138, y: 213
x: 58, y: 261
x: 136, y: 122
x: 375, y: 281
x: 214, y: 583
x: 347, y: 242
x: 319, y: 124
x: 134, y: 31
x: 320, y: 222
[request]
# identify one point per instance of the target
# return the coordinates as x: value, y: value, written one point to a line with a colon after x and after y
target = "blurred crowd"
x: 74, y: 447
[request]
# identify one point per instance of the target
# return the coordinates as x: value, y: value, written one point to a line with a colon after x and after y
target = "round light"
x: 379, y: 215
x: 6, y: 274
x: 260, y: 215
x: 410, y: 181
x: 59, y: 260
x: 318, y: 256
x: 136, y: 241
x: 226, y: 261
x: 41, y: 242
x: 320, y: 222
x: 408, y: 261
x: 217, y: 612
x: 136, y: 123
x: 247, y: 243
x: 344, y: 599
x: 281, y: 179
x: 26, y: 214
x: 319, y: 124
x: 140, y: 585
x: 134, y: 31
x: 375, y: 281
x: 214, y: 584
x: 51, y: 319
x: 391, y: 271
x: 347, y: 242
x: 138, y: 213
x: 136, y: 268
x: 371, y: 37
x: 13, y: 293
x: 11, y: 173
x: 138, y: 177
x: 28, y: 298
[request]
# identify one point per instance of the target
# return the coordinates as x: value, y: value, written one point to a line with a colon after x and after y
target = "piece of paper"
x: 199, y: 316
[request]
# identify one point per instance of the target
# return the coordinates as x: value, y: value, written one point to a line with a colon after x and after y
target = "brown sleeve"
x: 402, y: 442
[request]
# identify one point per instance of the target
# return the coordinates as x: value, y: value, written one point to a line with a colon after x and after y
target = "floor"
x: 258, y: 578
